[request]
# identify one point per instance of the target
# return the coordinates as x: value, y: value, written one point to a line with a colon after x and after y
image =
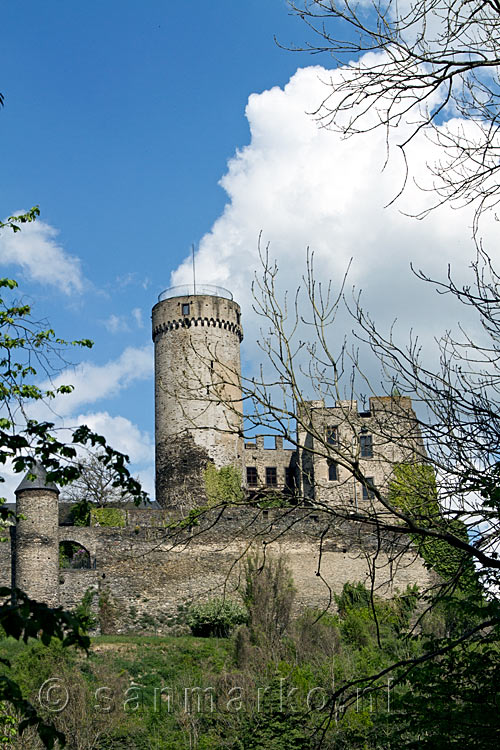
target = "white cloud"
x: 92, y: 384
x: 137, y: 316
x: 121, y: 324
x: 116, y: 324
x: 95, y: 382
x: 122, y: 434
x: 304, y: 186
x: 36, y: 250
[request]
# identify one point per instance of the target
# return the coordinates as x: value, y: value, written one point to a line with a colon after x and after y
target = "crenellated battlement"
x: 174, y: 325
x: 154, y: 562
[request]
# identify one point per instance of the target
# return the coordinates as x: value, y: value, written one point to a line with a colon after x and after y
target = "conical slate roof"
x: 39, y: 483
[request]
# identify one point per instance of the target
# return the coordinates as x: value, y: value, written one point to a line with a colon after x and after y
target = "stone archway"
x: 73, y: 556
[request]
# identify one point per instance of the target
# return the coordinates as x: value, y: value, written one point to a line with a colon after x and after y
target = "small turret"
x: 36, y: 545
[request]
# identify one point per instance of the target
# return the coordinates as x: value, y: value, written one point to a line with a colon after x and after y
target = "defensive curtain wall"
x: 142, y: 567
x: 143, y: 574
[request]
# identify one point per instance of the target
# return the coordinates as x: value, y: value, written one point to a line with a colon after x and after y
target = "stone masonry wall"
x: 5, y: 559
x: 257, y: 455
x: 197, y: 392
x: 146, y: 575
x: 389, y: 424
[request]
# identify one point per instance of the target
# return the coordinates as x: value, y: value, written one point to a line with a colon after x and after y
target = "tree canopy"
x: 28, y: 351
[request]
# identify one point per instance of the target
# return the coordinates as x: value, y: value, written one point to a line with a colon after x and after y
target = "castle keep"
x: 145, y: 567
x: 197, y: 355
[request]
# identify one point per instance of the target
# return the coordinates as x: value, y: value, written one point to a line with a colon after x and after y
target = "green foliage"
x: 72, y: 555
x: 440, y: 703
x: 84, y: 611
x: 216, y: 617
x: 23, y: 346
x: 277, y: 725
x: 269, y: 592
x: 13, y: 222
x: 115, y: 517
x: 413, y: 490
x: 353, y: 596
x: 80, y: 514
x: 25, y: 349
x: 273, y: 499
x: 223, y: 486
x: 27, y: 619
x: 453, y: 701
x: 8, y: 725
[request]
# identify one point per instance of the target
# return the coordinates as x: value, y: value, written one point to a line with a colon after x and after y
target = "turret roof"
x: 38, y: 483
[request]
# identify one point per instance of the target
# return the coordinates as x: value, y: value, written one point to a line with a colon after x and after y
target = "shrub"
x: 216, y: 617
x: 113, y: 517
x: 223, y: 486
x: 85, y: 612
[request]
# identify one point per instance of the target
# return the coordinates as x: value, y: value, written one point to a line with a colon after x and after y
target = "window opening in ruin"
x: 252, y: 477
x: 289, y: 478
x: 333, y: 474
x: 265, y: 513
x: 331, y: 436
x: 366, y: 446
x: 238, y: 318
x: 185, y: 308
x: 73, y: 556
x: 271, y: 476
x: 269, y: 443
x: 368, y: 494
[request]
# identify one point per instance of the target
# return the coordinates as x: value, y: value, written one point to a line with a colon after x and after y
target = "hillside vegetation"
x: 272, y: 684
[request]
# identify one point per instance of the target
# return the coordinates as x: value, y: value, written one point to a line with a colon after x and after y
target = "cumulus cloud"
x: 95, y: 382
x: 122, y: 434
x: 303, y: 186
x: 36, y: 250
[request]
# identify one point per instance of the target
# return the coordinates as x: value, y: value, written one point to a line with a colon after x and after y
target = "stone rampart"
x: 145, y: 575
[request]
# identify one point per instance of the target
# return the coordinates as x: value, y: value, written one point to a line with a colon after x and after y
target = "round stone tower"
x: 36, y: 550
x: 197, y: 334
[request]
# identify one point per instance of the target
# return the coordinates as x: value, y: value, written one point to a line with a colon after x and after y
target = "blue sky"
x: 120, y: 121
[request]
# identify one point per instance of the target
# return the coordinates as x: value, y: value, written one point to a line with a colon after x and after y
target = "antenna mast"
x: 194, y: 270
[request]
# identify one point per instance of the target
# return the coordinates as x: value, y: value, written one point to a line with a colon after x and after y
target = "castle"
x: 143, y: 567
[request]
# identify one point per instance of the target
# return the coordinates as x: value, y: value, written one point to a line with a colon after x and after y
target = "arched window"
x: 73, y: 556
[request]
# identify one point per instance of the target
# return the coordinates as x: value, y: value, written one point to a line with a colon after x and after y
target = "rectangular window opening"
x: 333, y: 473
x: 368, y: 494
x: 271, y: 476
x: 252, y: 476
x: 366, y: 446
x: 185, y: 308
x: 331, y: 435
